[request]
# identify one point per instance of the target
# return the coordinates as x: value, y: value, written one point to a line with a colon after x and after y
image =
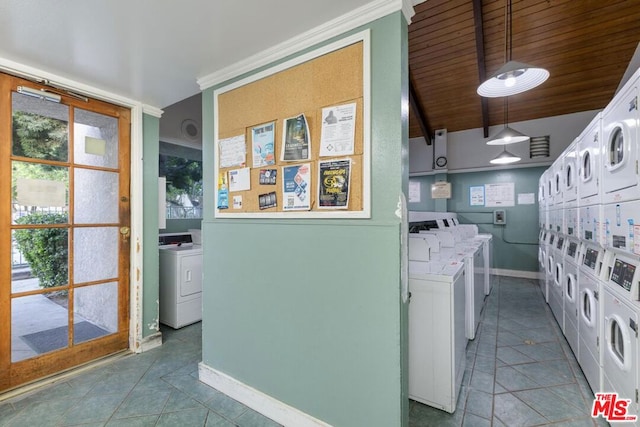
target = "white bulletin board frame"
x: 365, y: 212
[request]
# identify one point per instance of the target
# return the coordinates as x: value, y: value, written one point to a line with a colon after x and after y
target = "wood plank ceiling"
x: 586, y: 45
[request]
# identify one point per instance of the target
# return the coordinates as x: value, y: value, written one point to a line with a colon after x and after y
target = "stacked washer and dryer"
x: 598, y: 271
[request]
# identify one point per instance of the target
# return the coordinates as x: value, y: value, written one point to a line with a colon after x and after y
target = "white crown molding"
x: 152, y: 111
x: 358, y: 17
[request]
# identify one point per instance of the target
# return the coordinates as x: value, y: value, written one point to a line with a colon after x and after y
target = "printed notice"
x: 239, y: 179
x: 333, y: 184
x: 263, y: 145
x: 414, y: 191
x: 233, y: 151
x: 295, y: 139
x: 338, y: 130
x: 526, y: 199
x: 499, y: 194
x: 40, y: 192
x: 296, y: 184
x: 476, y: 195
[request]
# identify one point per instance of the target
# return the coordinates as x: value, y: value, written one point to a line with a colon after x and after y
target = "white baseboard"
x: 151, y: 342
x: 515, y: 273
x: 271, y: 408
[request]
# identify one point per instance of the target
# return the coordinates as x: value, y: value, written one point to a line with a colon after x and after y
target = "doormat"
x: 57, y: 338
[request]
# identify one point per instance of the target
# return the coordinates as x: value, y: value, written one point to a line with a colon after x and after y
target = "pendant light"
x: 505, y: 158
x: 513, y: 77
x: 507, y: 135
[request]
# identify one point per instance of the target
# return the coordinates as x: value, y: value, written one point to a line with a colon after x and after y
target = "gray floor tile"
x: 143, y: 402
x: 510, y: 356
x: 513, y: 412
x: 471, y: 420
x: 144, y: 421
x: 225, y: 406
x: 253, y: 419
x: 479, y: 403
x: 512, y: 380
x: 189, y: 417
x: 551, y: 406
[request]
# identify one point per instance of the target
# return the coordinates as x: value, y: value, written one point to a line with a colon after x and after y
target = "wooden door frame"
x: 136, y: 341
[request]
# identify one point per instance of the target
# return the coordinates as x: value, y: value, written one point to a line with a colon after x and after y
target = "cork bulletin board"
x: 299, y: 94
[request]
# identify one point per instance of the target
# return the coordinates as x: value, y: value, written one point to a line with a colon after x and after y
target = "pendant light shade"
x: 507, y: 136
x: 505, y: 158
x: 513, y: 78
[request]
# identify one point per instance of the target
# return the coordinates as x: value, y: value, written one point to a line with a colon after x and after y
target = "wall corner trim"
x: 151, y: 342
x: 271, y: 408
x: 349, y: 21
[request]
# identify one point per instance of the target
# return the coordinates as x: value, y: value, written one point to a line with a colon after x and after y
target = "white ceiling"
x: 152, y: 51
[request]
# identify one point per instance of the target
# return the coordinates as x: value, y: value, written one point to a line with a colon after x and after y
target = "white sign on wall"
x: 502, y: 194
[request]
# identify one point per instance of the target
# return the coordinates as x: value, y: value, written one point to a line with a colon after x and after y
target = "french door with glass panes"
x: 64, y: 230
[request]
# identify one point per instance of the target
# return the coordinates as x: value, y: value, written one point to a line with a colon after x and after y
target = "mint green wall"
x: 150, y: 260
x: 515, y: 245
x: 309, y: 311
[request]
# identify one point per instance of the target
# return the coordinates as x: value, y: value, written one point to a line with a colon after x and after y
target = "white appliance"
x: 591, y: 224
x: 571, y: 293
x: 437, y: 340
x: 589, y: 162
x: 473, y: 258
x: 556, y: 291
x: 570, y: 175
x: 180, y: 279
x: 620, y: 145
x: 542, y: 261
x: 622, y: 226
x: 487, y: 249
x: 620, y: 326
x: 590, y: 314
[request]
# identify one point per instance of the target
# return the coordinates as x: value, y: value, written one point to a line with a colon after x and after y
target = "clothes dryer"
x: 542, y: 260
x: 590, y: 163
x: 620, y: 145
x: 571, y: 292
x: 437, y: 340
x: 591, y: 269
x: 591, y: 220
x: 556, y: 293
x: 570, y: 175
x: 621, y: 311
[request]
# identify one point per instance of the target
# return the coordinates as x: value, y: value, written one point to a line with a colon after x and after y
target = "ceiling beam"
x: 482, y: 73
x: 418, y: 112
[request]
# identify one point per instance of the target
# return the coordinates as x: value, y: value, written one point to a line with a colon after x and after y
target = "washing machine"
x: 620, y: 145
x: 487, y: 249
x: 590, y: 163
x: 621, y: 314
x: 590, y: 313
x: 180, y: 280
x: 571, y: 293
x: 473, y: 258
x: 542, y: 261
x: 556, y: 283
x: 437, y: 335
x: 622, y: 226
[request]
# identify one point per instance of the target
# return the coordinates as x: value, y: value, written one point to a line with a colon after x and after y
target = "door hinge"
x: 633, y: 325
x: 636, y: 395
x: 598, y: 342
x: 595, y: 294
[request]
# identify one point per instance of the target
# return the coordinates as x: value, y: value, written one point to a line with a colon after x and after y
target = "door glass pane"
x: 39, y: 258
x: 40, y: 128
x: 95, y: 196
x: 95, y: 254
x: 95, y: 311
x: 40, y: 193
x: 39, y: 324
x: 95, y: 139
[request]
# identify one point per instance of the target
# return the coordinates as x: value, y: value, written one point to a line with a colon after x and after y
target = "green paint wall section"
x: 309, y: 311
x: 515, y: 245
x: 150, y: 260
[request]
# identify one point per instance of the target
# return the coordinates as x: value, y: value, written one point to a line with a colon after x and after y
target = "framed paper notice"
x: 441, y: 190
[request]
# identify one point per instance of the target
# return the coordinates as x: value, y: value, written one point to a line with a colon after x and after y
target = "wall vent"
x: 539, y: 146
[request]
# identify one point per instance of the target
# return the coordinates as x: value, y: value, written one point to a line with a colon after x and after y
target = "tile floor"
x: 520, y: 369
x: 520, y: 372
x: 156, y: 388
